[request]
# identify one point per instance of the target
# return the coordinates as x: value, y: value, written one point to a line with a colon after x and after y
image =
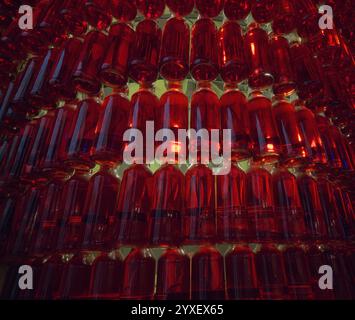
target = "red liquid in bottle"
x: 86, y: 75
x: 234, y: 116
x: 181, y: 8
x: 133, y: 206
x: 207, y: 275
x: 237, y: 9
x: 106, y: 276
x: 298, y: 274
x: 284, y: 17
x: 97, y: 13
x: 175, y: 49
x: 209, y: 8
x: 232, y: 61
x: 260, y: 205
x: 262, y: 10
x: 265, y: 139
x: 167, y: 206
x: 199, y: 219
x: 173, y: 276
x: 145, y: 55
x: 232, y: 219
x: 241, y: 276
x: 288, y: 205
x: 282, y: 69
x: 113, y: 121
x: 271, y: 273
x: 124, y: 10
x: 204, y: 50
x: 151, y: 9
x: 71, y: 17
x: 114, y: 70
x: 100, y: 211
x: 138, y: 275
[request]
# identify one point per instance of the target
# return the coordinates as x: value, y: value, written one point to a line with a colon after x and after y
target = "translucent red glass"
x: 180, y: 8
x: 114, y: 70
x: 292, y: 146
x: 113, y: 121
x: 86, y: 75
x: 209, y: 8
x: 174, y: 54
x: 298, y: 274
x: 263, y: 130
x: 282, y: 69
x: 138, y: 275
x: 260, y: 205
x: 124, y: 10
x: 271, y: 273
x: 257, y: 54
x: 100, y: 217
x: 199, y: 218
x: 97, y: 13
x: 207, y: 275
x: 284, y: 17
x: 151, y: 9
x: 232, y: 218
x: 262, y: 10
x: 71, y: 17
x: 173, y: 276
x: 308, y: 18
x: 237, y: 9
x: 288, y: 205
x: 145, y: 56
x: 232, y: 62
x: 167, y: 206
x: 234, y: 116
x: 133, y: 208
x: 241, y: 276
x: 204, y: 50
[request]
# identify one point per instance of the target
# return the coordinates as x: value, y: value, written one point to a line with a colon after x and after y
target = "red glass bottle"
x: 307, y: 18
x: 173, y: 275
x: 7, y: 213
x: 288, y: 205
x: 234, y: 116
x: 151, y: 9
x: 271, y: 273
x: 207, y: 275
x: 133, y: 206
x: 241, y: 276
x: 237, y: 9
x: 124, y: 10
x: 260, y: 205
x: 232, y: 218
x: 307, y: 72
x: 205, y: 115
x: 310, y: 136
x: 143, y: 67
x: 5, y: 106
x: 263, y: 10
x: 346, y: 212
x: 314, y: 217
x: 263, y: 130
x: 204, y: 50
x: 175, y: 49
x: 232, y: 61
x: 257, y: 55
x: 285, y: 17
x: 62, y: 72
x: 75, y: 280
x: 113, y: 121
x: 106, y: 276
x: 282, y: 69
x: 199, y: 218
x: 292, y: 146
x: 209, y: 8
x: 181, y: 9
x: 167, y: 207
x: 138, y: 275
x: 77, y: 143
x: 97, y: 13
x: 71, y: 212
x: 72, y: 19
x: 114, y: 70
x: 298, y: 274
x: 100, y: 217
x: 86, y: 74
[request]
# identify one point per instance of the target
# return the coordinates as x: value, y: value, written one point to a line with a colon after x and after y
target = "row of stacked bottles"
x: 68, y: 202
